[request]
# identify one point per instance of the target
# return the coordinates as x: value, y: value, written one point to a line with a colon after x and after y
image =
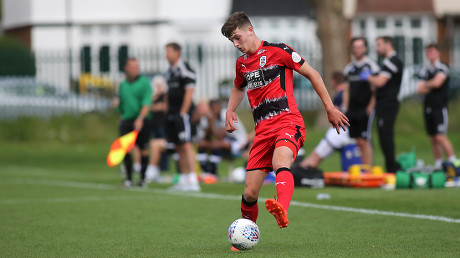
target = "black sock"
x: 144, y: 164
x: 128, y: 162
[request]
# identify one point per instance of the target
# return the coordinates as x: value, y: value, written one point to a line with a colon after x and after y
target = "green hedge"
x: 15, y: 58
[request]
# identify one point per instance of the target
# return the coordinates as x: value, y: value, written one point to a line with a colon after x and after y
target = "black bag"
x: 308, y: 177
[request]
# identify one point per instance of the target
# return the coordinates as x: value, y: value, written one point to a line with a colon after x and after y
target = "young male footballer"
x: 265, y: 72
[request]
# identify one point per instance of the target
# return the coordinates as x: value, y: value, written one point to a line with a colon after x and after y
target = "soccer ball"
x: 243, y: 234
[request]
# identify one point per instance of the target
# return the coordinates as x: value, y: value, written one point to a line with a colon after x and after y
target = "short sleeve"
x: 240, y: 81
x: 389, y: 68
x: 290, y: 58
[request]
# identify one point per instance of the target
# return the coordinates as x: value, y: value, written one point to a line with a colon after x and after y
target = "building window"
x: 415, y: 23
x: 400, y: 47
x: 122, y: 57
x: 417, y: 46
x: 398, y: 23
x: 362, y: 24
x: 104, y: 59
x: 85, y: 59
x: 381, y: 23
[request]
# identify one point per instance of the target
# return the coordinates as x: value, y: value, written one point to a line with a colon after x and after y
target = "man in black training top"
x: 181, y: 84
x: 360, y: 97
x: 433, y: 84
x: 388, y: 83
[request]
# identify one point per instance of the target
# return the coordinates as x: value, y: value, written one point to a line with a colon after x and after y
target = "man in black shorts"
x: 134, y: 108
x: 181, y: 85
x: 388, y: 83
x: 360, y: 97
x: 433, y: 84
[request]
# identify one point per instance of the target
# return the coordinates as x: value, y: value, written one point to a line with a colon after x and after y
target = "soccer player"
x: 433, y: 84
x: 181, y: 85
x: 265, y: 72
x: 360, y: 97
x: 134, y: 107
x: 388, y: 83
x: 331, y: 141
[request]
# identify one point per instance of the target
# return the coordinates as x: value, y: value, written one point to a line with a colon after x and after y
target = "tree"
x: 332, y: 33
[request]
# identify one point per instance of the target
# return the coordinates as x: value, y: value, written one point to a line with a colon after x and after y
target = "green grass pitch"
x: 56, y: 201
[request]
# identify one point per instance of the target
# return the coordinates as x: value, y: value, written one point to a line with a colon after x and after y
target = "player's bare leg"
x: 254, y: 181
x: 283, y: 157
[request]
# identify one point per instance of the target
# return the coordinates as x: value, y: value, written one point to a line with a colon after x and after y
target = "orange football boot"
x: 278, y: 211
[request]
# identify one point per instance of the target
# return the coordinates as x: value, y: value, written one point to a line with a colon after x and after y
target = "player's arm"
x: 336, y: 118
x: 346, y: 97
x: 236, y: 96
x: 378, y: 80
x: 436, y: 82
x: 187, y: 102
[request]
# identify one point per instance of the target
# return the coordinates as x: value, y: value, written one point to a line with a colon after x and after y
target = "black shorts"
x: 436, y: 120
x: 360, y: 124
x: 158, y: 132
x: 142, y: 140
x: 178, y: 128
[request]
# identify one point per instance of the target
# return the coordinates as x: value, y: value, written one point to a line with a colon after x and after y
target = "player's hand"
x: 138, y: 123
x: 337, y: 119
x: 422, y: 89
x: 230, y: 119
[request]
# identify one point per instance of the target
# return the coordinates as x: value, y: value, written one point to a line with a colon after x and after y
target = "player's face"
x: 432, y: 54
x: 172, y: 55
x: 358, y: 49
x: 132, y: 69
x: 241, y: 39
x: 381, y: 47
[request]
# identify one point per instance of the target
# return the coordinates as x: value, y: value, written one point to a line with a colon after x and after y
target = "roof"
x: 394, y: 6
x: 273, y: 7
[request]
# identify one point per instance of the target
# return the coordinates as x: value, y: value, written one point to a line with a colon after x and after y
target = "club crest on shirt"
x: 262, y: 61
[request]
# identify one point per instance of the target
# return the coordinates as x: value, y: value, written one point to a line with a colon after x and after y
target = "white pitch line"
x: 88, y: 185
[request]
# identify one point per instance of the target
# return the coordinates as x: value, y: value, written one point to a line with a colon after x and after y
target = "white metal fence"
x: 95, y: 79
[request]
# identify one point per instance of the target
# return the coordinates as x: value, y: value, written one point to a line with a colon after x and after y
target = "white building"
x: 102, y: 33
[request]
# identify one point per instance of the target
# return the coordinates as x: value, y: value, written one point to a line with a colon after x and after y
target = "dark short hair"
x: 175, y: 46
x: 358, y: 38
x: 386, y: 39
x: 338, y: 77
x: 432, y: 45
x: 236, y: 20
x: 130, y: 59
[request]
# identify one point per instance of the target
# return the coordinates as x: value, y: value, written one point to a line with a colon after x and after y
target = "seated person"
x: 216, y: 141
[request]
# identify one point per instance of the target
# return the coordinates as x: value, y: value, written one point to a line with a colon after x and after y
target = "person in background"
x: 359, y: 98
x: 134, y: 107
x: 388, y: 83
x: 181, y: 84
x: 218, y: 142
x: 331, y: 141
x: 434, y: 82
